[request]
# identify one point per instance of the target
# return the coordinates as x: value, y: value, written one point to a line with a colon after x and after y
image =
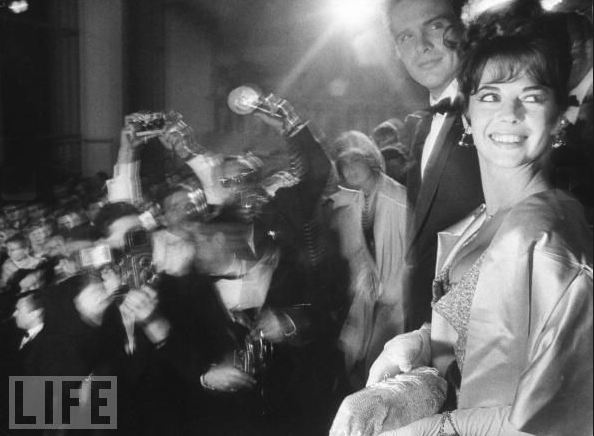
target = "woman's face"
x: 512, y: 123
x: 39, y: 235
x: 16, y: 251
x: 355, y: 172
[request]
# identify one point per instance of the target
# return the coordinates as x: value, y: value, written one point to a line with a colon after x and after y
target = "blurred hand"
x: 91, y: 303
x: 272, y: 326
x: 66, y: 267
x: 142, y: 303
x: 128, y: 138
x: 281, y: 114
x: 402, y: 354
x: 227, y: 378
x: 179, y: 137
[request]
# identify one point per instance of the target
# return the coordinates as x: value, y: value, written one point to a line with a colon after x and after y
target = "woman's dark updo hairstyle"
x: 519, y: 38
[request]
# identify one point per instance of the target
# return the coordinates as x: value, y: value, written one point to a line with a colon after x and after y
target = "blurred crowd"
x: 232, y: 300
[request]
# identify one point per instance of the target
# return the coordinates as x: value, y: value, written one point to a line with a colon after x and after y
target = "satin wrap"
x: 530, y: 329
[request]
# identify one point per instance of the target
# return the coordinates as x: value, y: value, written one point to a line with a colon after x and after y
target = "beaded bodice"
x: 454, y: 300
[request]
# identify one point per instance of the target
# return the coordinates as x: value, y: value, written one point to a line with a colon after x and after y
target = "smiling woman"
x: 515, y: 86
x: 511, y: 327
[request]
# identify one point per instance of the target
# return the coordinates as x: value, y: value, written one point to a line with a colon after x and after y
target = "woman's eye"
x: 534, y: 98
x: 488, y: 97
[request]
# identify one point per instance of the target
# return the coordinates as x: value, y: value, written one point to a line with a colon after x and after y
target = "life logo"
x: 39, y: 402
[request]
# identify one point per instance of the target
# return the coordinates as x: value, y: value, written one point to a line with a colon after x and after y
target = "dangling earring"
x: 466, y: 139
x: 560, y: 138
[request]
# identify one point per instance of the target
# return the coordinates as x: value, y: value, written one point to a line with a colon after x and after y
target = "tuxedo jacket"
x: 450, y: 190
x: 49, y: 354
x: 572, y: 164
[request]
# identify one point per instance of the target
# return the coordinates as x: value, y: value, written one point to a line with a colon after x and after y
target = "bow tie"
x: 25, y: 340
x: 573, y: 101
x: 445, y: 105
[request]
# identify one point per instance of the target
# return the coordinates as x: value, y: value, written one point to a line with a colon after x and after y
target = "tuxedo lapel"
x: 419, y: 125
x: 435, y: 166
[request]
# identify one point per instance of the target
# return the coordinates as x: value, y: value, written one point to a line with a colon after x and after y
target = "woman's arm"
x: 491, y: 421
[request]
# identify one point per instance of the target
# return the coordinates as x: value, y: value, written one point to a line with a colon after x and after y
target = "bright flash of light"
x: 18, y: 6
x: 550, y: 4
x: 477, y: 7
x: 353, y: 12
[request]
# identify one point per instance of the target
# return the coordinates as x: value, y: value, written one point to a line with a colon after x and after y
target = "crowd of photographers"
x: 217, y: 303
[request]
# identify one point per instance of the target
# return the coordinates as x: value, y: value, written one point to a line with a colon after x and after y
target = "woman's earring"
x: 560, y: 138
x: 466, y: 139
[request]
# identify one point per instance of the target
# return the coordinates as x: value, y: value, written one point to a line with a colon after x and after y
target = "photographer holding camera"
x: 264, y: 254
x: 241, y: 255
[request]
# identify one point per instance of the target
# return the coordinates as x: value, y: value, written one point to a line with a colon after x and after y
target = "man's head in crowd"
x: 39, y: 233
x: 418, y: 28
x: 218, y: 244
x: 182, y: 202
x: 582, y: 54
x: 17, y: 247
x: 37, y: 210
x: 92, y: 300
x: 392, y: 139
x: 16, y: 215
x: 29, y: 311
x: 114, y: 220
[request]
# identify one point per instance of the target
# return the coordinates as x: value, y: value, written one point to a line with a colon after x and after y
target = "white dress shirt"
x: 30, y: 334
x: 436, y: 124
x: 125, y: 184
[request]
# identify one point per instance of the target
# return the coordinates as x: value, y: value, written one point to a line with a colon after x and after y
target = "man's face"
x: 39, y: 235
x: 14, y: 213
x: 418, y: 27
x: 24, y: 315
x: 176, y: 208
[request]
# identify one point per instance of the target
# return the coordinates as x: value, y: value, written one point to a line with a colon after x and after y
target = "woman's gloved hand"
x: 402, y: 354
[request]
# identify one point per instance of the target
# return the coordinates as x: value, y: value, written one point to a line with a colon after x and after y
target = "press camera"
x: 134, y: 262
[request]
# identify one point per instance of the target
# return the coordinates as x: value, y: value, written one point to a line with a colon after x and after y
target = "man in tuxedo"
x: 444, y: 179
x: 573, y: 159
x: 41, y: 350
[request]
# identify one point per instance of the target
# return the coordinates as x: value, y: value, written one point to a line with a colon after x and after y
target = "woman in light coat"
x: 371, y: 216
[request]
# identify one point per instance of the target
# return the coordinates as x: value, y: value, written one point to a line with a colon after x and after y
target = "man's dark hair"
x: 18, y: 238
x: 517, y: 40
x: 389, y: 6
x: 36, y: 299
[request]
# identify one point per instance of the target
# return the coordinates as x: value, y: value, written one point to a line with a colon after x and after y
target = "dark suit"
x: 573, y: 163
x: 450, y: 189
x: 49, y: 353
x: 305, y: 287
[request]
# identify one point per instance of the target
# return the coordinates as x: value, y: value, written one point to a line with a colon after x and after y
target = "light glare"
x: 353, y: 12
x: 18, y: 6
x: 549, y: 5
